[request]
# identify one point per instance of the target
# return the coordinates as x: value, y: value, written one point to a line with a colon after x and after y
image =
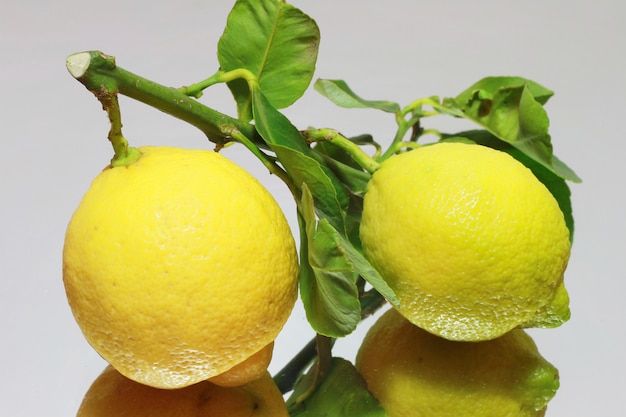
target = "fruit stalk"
x: 334, y: 137
x: 195, y: 90
x: 409, y: 119
x: 124, y: 154
x: 99, y: 72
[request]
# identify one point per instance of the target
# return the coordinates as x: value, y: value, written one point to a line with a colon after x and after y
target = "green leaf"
x: 305, y: 170
x: 367, y: 271
x: 330, y: 263
x: 353, y: 177
x: 327, y: 280
x: 339, y: 93
x: 513, y: 115
x: 489, y: 86
x: 343, y: 165
x: 336, y: 153
x: 511, y: 109
x: 553, y: 182
x: 557, y: 186
x: 300, y: 161
x: 341, y: 155
x: 329, y: 268
x: 342, y: 393
x: 275, y: 41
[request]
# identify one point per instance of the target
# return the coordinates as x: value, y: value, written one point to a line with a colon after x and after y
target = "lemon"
x: 470, y: 241
x: 415, y: 373
x: 179, y: 266
x: 112, y: 394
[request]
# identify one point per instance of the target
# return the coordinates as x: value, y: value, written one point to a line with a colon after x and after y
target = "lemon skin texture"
x: 470, y: 241
x: 112, y: 394
x: 415, y: 373
x: 179, y: 266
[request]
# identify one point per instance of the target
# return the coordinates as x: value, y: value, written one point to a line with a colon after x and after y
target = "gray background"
x: 53, y: 136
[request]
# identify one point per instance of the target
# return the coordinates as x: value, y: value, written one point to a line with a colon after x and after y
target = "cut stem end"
x: 77, y: 64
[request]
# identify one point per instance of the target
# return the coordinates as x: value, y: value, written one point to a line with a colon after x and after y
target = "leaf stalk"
x: 195, y: 90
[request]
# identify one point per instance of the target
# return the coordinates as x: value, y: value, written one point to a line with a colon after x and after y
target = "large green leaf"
x: 511, y: 108
x: 276, y: 42
x: 342, y: 393
x: 339, y: 93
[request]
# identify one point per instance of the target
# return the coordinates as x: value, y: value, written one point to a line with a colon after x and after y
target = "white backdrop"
x: 53, y: 142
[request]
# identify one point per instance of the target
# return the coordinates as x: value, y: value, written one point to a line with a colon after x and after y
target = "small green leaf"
x: 339, y: 93
x: 564, y: 171
x: 327, y: 280
x: 557, y: 186
x: 275, y: 41
x: 342, y: 393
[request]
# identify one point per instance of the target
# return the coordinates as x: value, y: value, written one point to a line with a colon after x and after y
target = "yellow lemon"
x: 112, y: 394
x: 470, y: 241
x: 179, y: 266
x: 415, y: 373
